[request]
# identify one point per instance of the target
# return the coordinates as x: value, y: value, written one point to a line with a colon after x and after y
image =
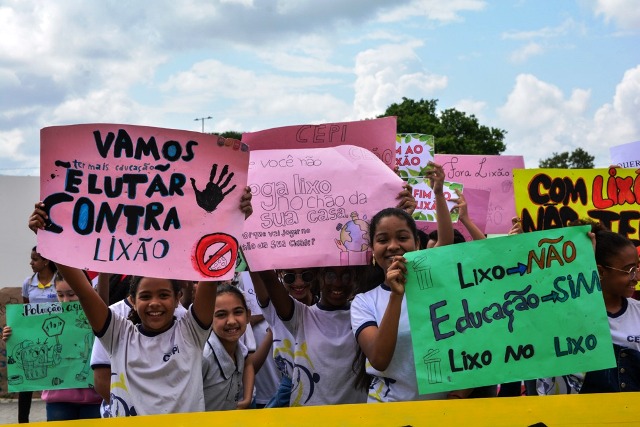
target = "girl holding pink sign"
x: 156, y: 360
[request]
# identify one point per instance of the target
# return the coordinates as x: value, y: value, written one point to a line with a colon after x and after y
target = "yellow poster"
x: 552, y: 198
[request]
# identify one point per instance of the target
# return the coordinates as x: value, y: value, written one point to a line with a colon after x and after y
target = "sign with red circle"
x: 216, y: 254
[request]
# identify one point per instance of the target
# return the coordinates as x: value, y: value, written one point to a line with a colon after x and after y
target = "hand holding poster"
x: 493, y: 173
x: 50, y: 347
x: 311, y: 207
x: 477, y: 204
x: 141, y: 200
x: 535, y: 311
x: 426, y: 199
x: 551, y: 198
x: 377, y: 136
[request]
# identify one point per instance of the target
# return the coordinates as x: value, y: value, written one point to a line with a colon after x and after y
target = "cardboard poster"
x: 492, y: 173
x: 50, y: 347
x: 312, y: 207
x: 414, y: 151
x: 426, y: 199
x: 551, y: 198
x: 477, y: 205
x: 141, y: 200
x: 534, y: 311
x: 626, y: 155
x: 376, y: 135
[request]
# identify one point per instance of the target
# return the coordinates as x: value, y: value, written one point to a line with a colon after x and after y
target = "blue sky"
x: 556, y: 75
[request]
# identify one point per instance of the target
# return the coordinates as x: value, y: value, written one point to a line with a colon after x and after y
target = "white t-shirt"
x: 99, y: 356
x: 283, y: 342
x: 398, y: 382
x: 268, y: 377
x: 323, y: 362
x: 222, y: 375
x: 37, y: 294
x: 625, y: 325
x: 155, y: 373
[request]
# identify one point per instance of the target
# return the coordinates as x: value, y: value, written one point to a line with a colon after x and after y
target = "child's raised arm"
x: 267, y: 286
x: 445, y: 227
x: 248, y: 381
x: 94, y: 307
x: 204, y: 302
x: 465, y: 219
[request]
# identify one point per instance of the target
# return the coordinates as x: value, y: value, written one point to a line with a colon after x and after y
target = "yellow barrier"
x: 620, y: 409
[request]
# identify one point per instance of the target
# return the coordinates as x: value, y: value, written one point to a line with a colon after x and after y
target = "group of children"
x: 348, y: 343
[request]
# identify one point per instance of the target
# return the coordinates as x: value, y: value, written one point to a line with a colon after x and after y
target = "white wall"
x: 19, y: 194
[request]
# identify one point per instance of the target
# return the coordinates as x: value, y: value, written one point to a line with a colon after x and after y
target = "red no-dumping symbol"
x: 216, y: 254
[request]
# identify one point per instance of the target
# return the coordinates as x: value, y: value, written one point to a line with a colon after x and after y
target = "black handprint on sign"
x: 209, y: 198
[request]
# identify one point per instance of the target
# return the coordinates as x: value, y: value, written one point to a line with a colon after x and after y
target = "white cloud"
x: 436, y: 10
x: 624, y: 13
x: 10, y: 142
x: 540, y: 120
x: 521, y: 55
x: 248, y: 99
x: 387, y: 73
x: 619, y: 122
x: 470, y: 107
x: 567, y: 26
x: 308, y: 54
x: 99, y: 106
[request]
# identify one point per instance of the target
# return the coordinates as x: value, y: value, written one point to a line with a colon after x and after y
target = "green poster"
x: 506, y: 309
x: 50, y: 347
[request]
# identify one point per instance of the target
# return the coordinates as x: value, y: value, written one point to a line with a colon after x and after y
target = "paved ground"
x: 9, y: 411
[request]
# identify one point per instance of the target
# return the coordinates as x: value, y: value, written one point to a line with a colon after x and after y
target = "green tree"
x: 455, y: 132
x: 578, y: 159
x: 231, y: 134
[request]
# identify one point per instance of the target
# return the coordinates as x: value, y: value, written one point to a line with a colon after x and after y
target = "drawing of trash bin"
x: 423, y: 274
x: 434, y: 368
x: 32, y: 358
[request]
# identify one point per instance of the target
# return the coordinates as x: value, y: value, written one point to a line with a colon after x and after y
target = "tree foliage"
x: 231, y: 134
x: 577, y: 159
x: 455, y: 132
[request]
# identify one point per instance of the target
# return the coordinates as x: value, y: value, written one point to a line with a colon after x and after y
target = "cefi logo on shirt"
x: 173, y: 351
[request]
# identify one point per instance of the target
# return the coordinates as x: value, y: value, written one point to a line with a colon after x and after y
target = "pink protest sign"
x: 376, y: 135
x: 143, y: 201
x: 312, y: 207
x: 492, y: 173
x: 477, y: 206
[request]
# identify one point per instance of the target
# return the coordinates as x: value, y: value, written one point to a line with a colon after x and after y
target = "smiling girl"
x: 224, y: 361
x: 156, y: 360
x: 379, y: 317
x: 617, y: 262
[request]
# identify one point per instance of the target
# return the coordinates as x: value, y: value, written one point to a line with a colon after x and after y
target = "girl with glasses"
x: 321, y: 364
x: 617, y: 261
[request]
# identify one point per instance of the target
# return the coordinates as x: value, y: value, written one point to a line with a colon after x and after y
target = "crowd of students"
x: 328, y: 335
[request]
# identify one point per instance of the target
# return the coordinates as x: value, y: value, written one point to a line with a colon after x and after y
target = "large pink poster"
x: 492, y: 173
x: 376, y: 135
x: 312, y: 207
x: 142, y: 200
